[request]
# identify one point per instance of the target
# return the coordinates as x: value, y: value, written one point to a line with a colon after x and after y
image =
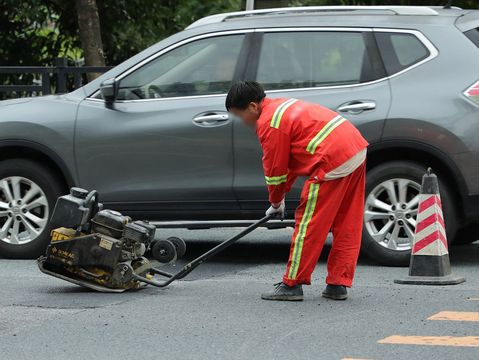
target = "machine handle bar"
x: 202, y: 258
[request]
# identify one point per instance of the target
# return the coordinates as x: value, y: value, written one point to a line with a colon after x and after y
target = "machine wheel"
x: 164, y: 251
x: 180, y: 245
x: 390, y: 212
x: 152, y: 243
x: 28, y: 192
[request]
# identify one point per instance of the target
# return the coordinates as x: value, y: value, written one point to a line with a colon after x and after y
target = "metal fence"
x: 60, y: 78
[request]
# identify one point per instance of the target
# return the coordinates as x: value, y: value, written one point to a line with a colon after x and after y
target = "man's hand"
x: 277, y: 210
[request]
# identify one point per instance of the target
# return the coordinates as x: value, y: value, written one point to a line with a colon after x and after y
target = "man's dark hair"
x: 243, y: 93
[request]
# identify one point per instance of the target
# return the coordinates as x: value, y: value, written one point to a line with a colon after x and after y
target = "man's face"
x: 249, y: 115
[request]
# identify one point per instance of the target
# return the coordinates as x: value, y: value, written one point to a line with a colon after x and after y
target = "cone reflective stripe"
x: 430, y: 227
x: 430, y: 256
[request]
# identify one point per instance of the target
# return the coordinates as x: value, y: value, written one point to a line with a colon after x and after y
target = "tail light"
x: 473, y: 92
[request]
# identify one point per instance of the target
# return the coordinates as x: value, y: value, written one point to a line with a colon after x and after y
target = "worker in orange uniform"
x: 304, y: 139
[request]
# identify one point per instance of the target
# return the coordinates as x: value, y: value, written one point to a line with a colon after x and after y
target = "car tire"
x: 390, y: 172
x: 31, y: 174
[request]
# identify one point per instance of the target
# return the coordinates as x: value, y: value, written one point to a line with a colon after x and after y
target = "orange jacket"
x: 302, y: 139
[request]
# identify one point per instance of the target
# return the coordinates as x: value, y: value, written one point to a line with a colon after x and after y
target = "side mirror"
x: 109, y: 91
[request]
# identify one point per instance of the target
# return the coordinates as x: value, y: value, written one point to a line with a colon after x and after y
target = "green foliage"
x: 34, y: 32
x: 30, y: 33
x: 129, y: 26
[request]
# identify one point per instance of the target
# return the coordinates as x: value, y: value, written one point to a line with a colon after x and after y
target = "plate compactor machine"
x: 105, y: 251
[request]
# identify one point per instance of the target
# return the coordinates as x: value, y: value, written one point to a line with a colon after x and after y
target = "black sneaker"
x: 283, y: 292
x: 335, y: 292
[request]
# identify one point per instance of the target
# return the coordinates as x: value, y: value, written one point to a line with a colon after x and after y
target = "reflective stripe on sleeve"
x: 323, y: 133
x: 276, y: 180
x: 280, y: 110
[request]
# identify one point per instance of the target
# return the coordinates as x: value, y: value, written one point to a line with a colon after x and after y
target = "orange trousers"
x: 336, y: 205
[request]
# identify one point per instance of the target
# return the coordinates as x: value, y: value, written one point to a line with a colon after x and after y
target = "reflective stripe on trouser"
x: 336, y: 205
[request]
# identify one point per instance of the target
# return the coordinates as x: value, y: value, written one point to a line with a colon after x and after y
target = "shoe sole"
x: 335, y: 297
x: 283, y: 298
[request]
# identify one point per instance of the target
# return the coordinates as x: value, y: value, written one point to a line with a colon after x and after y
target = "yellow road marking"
x: 469, y: 341
x: 455, y: 316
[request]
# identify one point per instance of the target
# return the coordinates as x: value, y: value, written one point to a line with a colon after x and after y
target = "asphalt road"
x: 216, y: 313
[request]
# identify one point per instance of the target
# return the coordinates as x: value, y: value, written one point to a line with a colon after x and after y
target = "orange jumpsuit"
x: 304, y: 139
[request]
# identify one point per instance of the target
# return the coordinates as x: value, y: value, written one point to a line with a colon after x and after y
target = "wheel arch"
x: 37, y: 152
x: 404, y: 150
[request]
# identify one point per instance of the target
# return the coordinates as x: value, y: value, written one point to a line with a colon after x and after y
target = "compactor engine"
x: 102, y: 249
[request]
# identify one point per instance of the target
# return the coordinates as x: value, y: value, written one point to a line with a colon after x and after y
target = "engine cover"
x: 88, y: 250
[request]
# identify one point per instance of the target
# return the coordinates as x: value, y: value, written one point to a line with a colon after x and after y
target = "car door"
x: 166, y: 142
x: 339, y: 68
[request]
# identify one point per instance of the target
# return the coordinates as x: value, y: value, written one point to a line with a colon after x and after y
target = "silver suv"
x: 153, y: 137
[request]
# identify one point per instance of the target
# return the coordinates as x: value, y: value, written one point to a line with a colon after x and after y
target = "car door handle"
x: 357, y: 107
x: 211, y: 119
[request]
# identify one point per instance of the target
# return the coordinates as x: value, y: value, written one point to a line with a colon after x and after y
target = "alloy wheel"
x: 390, y: 213
x: 24, y: 210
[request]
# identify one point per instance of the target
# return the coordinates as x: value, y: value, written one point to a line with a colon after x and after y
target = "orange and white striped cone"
x: 430, y: 257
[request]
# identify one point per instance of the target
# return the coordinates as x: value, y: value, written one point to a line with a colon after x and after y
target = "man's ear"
x: 254, y: 106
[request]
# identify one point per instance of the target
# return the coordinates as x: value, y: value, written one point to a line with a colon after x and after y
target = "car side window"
x: 201, y: 67
x: 313, y: 59
x: 473, y: 35
x: 400, y: 50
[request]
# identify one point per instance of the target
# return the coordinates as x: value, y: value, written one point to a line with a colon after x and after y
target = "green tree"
x: 90, y: 32
x: 34, y: 32
x: 129, y: 26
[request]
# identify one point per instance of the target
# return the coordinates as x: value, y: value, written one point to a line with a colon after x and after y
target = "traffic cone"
x: 430, y: 257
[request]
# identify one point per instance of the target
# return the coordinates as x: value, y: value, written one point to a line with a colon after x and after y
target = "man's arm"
x: 290, y: 182
x: 276, y: 152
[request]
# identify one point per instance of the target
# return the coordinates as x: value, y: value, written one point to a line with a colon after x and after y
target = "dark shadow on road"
x: 467, y: 255
x: 251, y: 252
x: 258, y: 252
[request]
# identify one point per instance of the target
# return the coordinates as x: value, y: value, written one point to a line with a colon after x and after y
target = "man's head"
x: 244, y: 100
